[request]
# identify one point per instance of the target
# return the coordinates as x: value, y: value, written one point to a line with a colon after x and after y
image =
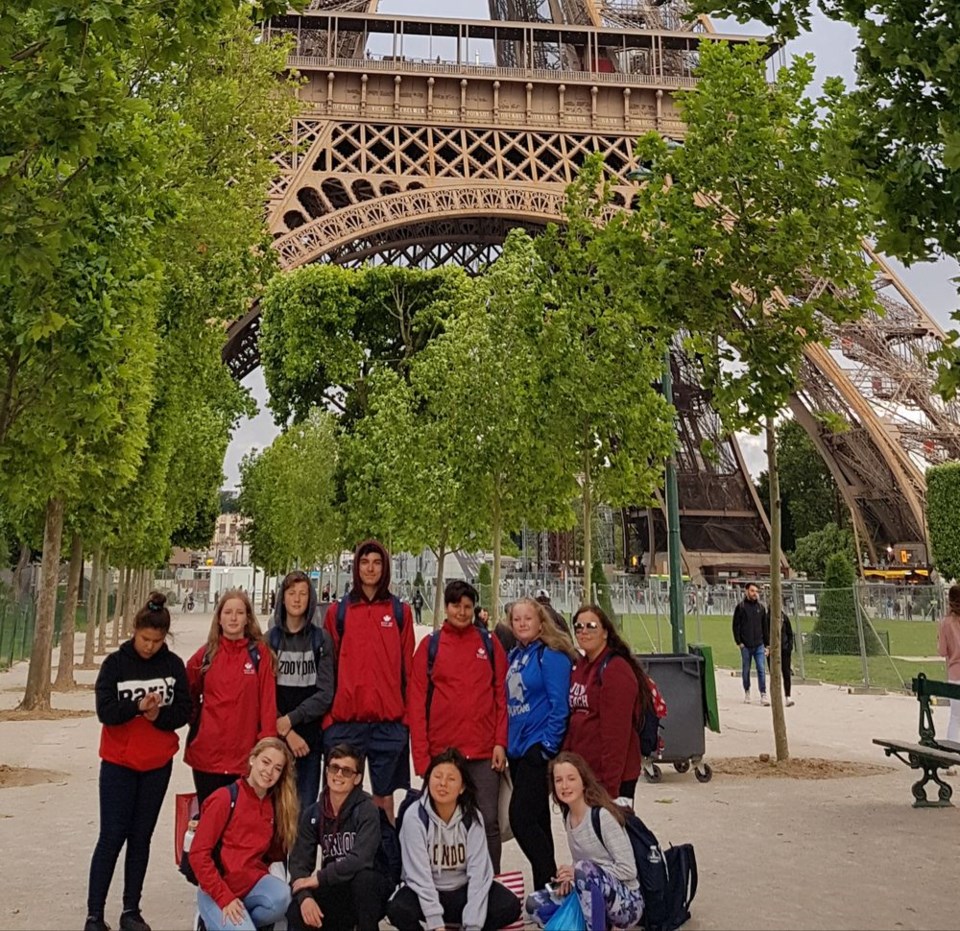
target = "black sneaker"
x: 93, y: 923
x: 133, y: 921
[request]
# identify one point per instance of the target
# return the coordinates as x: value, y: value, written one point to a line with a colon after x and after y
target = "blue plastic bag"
x: 568, y: 917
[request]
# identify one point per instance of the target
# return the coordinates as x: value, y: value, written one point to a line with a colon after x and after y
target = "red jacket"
x: 239, y: 707
x: 248, y: 843
x: 603, y: 720
x: 373, y: 661
x: 467, y: 712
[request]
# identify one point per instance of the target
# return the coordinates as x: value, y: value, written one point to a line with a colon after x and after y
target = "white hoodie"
x: 443, y: 855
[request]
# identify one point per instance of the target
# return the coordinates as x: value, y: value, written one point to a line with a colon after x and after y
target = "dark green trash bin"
x: 679, y: 677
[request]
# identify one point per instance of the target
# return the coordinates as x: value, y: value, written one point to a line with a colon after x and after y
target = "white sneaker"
x: 763, y: 699
x: 790, y: 702
x: 746, y: 698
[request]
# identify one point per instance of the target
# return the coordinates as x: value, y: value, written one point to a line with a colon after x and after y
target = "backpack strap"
x: 432, y: 648
x: 341, y: 616
x: 275, y: 638
x: 595, y: 821
x: 253, y: 651
x: 316, y: 641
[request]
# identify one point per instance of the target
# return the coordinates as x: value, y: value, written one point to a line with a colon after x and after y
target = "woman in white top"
x: 604, y: 872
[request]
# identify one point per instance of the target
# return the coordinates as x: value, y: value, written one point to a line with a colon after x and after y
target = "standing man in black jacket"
x: 751, y: 632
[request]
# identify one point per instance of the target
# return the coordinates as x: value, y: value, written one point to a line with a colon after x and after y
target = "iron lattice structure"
x: 424, y: 140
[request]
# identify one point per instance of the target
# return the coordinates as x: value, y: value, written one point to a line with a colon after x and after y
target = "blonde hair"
x: 551, y: 635
x: 251, y: 629
x: 286, y: 802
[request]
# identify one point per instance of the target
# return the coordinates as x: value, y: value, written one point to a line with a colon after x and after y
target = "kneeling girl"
x: 238, y: 892
x: 604, y: 871
x: 447, y: 872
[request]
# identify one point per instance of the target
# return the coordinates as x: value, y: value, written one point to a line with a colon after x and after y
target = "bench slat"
x: 942, y: 756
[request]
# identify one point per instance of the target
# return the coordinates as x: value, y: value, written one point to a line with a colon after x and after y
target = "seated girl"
x: 447, y: 872
x: 237, y: 893
x: 604, y: 871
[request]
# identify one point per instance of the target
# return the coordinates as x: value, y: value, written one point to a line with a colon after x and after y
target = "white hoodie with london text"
x: 443, y: 855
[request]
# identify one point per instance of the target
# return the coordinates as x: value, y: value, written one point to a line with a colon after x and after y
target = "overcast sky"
x: 831, y: 43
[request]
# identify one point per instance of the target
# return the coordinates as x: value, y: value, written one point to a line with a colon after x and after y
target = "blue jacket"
x: 538, y: 703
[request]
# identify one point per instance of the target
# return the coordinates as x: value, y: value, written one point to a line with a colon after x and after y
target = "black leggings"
x: 360, y: 903
x: 785, y: 665
x: 208, y: 783
x: 530, y: 814
x: 130, y: 803
x: 405, y: 913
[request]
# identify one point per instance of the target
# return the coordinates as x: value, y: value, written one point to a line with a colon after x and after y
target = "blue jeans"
x: 756, y: 654
x: 264, y: 904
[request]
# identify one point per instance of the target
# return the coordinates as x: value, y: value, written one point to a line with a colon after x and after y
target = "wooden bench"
x: 929, y: 754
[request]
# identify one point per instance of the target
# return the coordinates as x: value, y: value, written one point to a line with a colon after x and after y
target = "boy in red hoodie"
x: 374, y: 656
x: 466, y: 706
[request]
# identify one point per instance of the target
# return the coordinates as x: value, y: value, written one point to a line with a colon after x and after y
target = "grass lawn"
x: 650, y: 633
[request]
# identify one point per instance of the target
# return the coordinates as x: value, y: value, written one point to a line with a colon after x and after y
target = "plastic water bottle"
x: 188, y: 836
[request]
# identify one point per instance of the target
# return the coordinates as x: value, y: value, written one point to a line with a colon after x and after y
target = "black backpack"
x: 668, y: 881
x: 648, y: 728
x: 434, y: 646
x: 185, y: 867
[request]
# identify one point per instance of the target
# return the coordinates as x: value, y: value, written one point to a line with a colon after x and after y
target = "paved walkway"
x: 773, y: 853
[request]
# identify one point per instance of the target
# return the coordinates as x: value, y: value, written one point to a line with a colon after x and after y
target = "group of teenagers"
x: 324, y: 697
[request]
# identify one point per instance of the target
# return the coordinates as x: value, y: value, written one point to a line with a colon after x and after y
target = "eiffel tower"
x: 424, y: 140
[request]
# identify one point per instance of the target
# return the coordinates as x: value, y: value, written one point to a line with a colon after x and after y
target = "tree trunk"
x: 65, y: 680
x: 102, y: 610
x: 776, y: 596
x: 37, y: 695
x: 123, y: 578
x: 438, y: 612
x: 494, y: 608
x: 129, y: 593
x: 22, y: 562
x: 587, y: 534
x: 93, y: 592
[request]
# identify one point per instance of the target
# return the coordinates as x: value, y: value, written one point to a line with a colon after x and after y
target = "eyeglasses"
x: 585, y: 625
x: 339, y: 770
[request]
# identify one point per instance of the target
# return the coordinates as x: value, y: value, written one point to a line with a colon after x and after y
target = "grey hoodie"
x: 305, y: 682
x: 443, y: 856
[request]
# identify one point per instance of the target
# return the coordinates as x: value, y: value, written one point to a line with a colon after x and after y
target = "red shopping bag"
x: 186, y: 809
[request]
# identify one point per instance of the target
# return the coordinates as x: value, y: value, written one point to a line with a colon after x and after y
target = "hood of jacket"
x: 383, y: 590
x: 280, y: 610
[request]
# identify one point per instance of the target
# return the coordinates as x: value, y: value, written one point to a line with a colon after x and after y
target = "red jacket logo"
x: 386, y: 621
x: 248, y: 669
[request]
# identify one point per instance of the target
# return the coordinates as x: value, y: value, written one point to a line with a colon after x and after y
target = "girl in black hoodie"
x: 142, y: 698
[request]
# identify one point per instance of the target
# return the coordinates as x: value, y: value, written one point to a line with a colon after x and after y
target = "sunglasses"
x: 586, y: 625
x: 339, y: 770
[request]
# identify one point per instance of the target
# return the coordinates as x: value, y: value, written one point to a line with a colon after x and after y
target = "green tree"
x: 287, y: 494
x: 836, y: 630
x: 602, y: 588
x: 759, y: 203
x: 483, y: 377
x: 810, y: 498
x: 485, y: 589
x: 602, y: 353
x: 326, y: 329
x: 909, y: 147
x: 814, y: 550
x: 943, y: 518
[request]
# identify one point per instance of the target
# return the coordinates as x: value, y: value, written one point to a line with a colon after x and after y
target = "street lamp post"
x: 673, y: 529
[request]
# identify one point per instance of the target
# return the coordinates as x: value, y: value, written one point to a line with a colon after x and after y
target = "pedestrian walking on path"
x: 751, y: 633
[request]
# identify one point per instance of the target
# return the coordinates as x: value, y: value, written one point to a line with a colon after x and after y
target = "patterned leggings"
x: 605, y: 900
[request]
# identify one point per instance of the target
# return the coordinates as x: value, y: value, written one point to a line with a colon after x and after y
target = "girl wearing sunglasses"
x: 609, y: 695
x: 343, y: 826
